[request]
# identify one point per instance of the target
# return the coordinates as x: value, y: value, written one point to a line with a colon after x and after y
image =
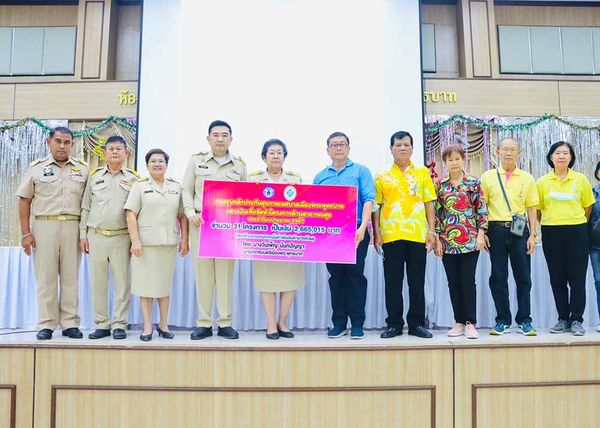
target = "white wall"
x: 290, y: 69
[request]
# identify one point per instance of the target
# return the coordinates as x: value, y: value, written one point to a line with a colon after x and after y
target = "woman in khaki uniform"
x: 158, y: 228
x: 273, y: 277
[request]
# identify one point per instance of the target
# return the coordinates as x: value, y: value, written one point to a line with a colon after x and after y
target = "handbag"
x: 518, y: 222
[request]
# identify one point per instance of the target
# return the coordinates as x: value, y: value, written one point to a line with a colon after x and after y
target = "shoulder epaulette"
x: 239, y: 158
x: 201, y: 154
x: 133, y: 171
x: 259, y: 172
x: 294, y: 173
x: 81, y: 161
x: 96, y: 170
x: 172, y: 180
x: 35, y: 162
x: 140, y: 180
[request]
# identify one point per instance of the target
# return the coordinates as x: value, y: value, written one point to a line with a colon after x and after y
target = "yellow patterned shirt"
x: 402, y: 197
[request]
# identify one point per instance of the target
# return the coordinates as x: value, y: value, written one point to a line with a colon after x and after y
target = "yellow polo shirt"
x: 402, y: 197
x: 520, y: 190
x: 564, y: 202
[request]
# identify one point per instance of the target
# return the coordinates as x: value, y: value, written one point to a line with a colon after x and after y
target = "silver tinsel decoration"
x: 536, y: 141
x: 18, y: 148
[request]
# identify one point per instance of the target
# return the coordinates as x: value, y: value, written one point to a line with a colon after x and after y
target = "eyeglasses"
x: 338, y: 146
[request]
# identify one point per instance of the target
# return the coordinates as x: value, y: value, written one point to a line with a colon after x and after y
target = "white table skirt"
x: 312, y: 308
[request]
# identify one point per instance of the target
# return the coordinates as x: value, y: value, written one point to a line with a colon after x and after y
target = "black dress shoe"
x: 119, y: 333
x: 201, y: 333
x: 99, y: 333
x: 286, y: 334
x: 390, y: 332
x: 228, y: 333
x: 73, y: 333
x: 146, y: 337
x: 420, y: 331
x: 273, y: 336
x: 44, y: 334
x: 164, y: 334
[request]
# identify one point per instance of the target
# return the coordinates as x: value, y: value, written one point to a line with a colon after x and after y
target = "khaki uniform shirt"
x: 157, y: 210
x: 54, y: 190
x: 104, y: 198
x: 287, y: 177
x: 204, y: 166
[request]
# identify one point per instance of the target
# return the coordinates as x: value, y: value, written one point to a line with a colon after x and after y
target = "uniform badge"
x: 172, y: 192
x: 48, y: 171
x: 125, y: 182
x: 76, y: 172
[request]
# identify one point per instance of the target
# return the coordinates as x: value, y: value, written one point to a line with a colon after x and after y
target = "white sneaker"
x: 457, y: 330
x: 471, y: 331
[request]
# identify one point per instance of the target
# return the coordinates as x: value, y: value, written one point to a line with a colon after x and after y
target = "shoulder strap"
x: 503, y: 191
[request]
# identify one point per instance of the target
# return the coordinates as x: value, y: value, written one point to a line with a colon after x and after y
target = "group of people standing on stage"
x: 121, y: 219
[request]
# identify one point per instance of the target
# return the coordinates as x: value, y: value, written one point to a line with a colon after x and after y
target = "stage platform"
x: 310, y: 381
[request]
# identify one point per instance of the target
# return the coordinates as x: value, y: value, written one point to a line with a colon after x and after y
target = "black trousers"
x: 460, y: 271
x: 397, y: 254
x: 348, y: 286
x: 566, y: 249
x: 504, y: 245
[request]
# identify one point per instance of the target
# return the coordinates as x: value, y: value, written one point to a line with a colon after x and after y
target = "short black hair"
x: 555, y: 146
x: 157, y: 152
x: 597, y: 170
x: 216, y: 123
x: 338, y: 134
x: 400, y: 135
x: 62, y: 130
x: 273, y: 142
x: 115, y: 139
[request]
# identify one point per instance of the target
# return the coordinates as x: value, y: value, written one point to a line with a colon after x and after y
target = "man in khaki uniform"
x: 51, y: 194
x: 211, y: 274
x: 103, y: 234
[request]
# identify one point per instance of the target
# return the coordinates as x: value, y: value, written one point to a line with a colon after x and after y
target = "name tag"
x: 203, y: 166
x: 99, y: 182
x: 125, y: 182
x: 148, y: 191
x: 172, y: 192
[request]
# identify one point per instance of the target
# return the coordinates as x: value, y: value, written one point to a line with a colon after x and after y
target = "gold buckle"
x: 105, y: 232
x: 61, y: 217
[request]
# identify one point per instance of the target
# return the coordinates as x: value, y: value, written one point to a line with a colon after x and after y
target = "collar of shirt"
x: 157, y: 186
x: 570, y: 176
x: 464, y: 179
x: 396, y: 168
x: 515, y: 171
x: 51, y: 160
x: 105, y: 170
x: 348, y: 164
x: 211, y: 155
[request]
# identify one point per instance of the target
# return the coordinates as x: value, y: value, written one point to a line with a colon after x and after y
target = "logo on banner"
x: 268, y: 192
x: 290, y: 193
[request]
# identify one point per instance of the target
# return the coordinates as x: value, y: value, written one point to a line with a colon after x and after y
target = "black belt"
x: 505, y: 224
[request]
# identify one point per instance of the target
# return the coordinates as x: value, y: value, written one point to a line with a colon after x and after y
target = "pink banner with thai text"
x: 272, y: 221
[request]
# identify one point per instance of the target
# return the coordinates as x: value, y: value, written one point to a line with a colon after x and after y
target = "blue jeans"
x: 505, y: 246
x: 595, y: 258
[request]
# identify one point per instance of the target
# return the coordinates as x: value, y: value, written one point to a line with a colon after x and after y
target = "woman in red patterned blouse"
x: 461, y: 221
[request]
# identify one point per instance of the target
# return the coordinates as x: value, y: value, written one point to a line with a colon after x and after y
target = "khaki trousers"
x: 211, y: 275
x: 113, y: 251
x: 57, y: 255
